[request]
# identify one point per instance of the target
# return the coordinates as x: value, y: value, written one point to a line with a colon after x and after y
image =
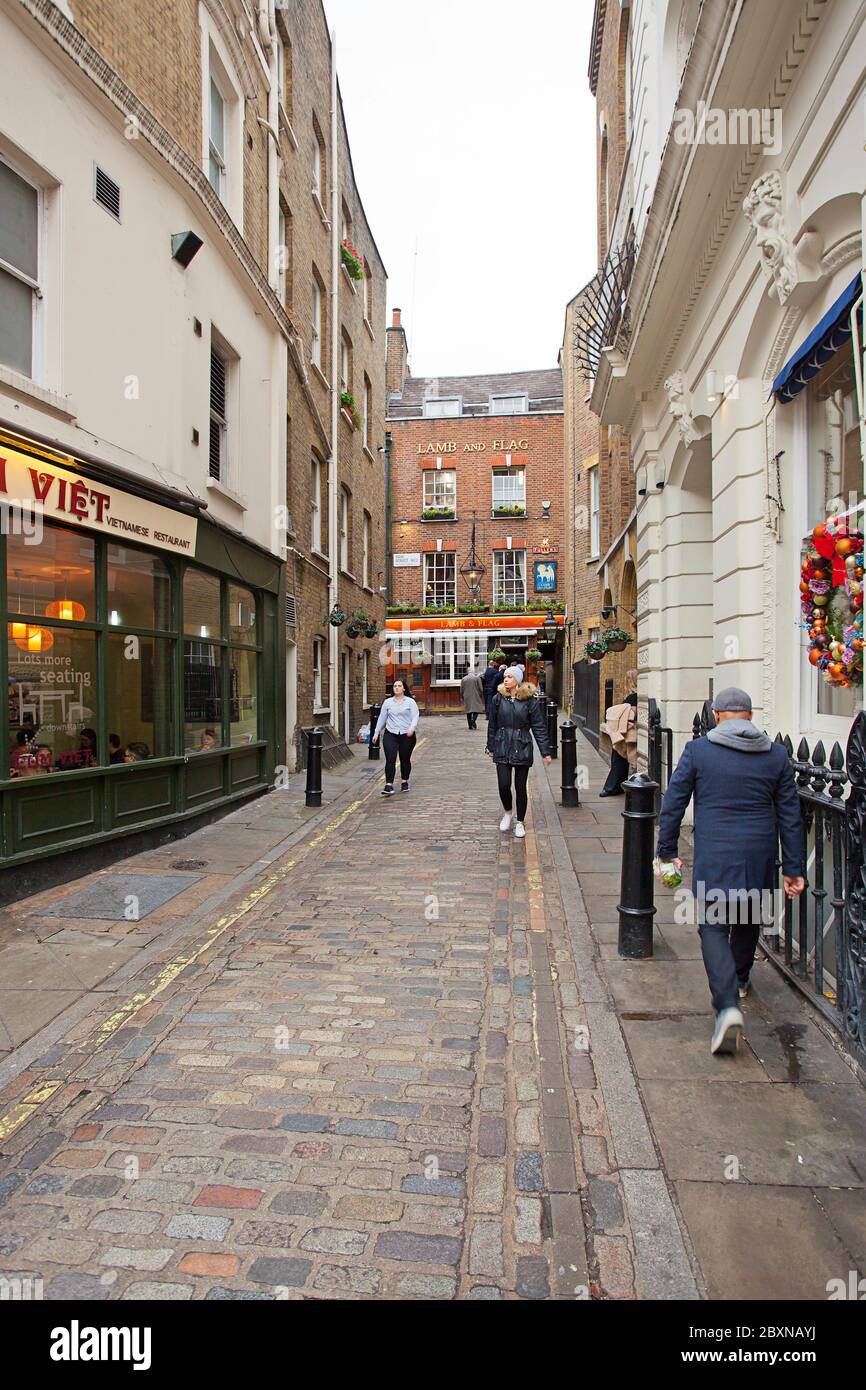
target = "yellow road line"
x: 23, y: 1109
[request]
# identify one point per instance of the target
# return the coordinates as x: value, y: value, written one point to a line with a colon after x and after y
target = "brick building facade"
x: 599, y: 481
x: 478, y: 454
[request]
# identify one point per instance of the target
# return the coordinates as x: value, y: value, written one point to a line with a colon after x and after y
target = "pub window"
x: 455, y: 654
x: 20, y: 293
x: 835, y: 485
x: 440, y: 489
x: 509, y: 577
x: 440, y: 579
x: 509, y: 490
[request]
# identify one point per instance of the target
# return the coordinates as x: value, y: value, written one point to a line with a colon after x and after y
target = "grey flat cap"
x: 731, y: 700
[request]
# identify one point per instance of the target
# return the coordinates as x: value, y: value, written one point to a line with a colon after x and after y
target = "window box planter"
x: 395, y: 609
x: 616, y: 639
x: 473, y: 608
x: 509, y: 607
x: 539, y: 605
x: 350, y: 410
x: 437, y: 514
x: 512, y: 510
x: 352, y: 260
x: 437, y: 608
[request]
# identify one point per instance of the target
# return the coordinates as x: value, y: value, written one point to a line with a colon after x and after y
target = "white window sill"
x: 352, y: 285
x: 369, y: 327
x: 321, y: 211
x: 592, y: 559
x: 367, y: 704
x: 320, y: 555
x: 347, y: 419
x: 347, y: 574
x: 287, y: 126
x: 321, y: 709
x: 370, y: 455
x: 25, y: 386
x: 317, y: 371
x: 368, y: 588
x: 214, y: 485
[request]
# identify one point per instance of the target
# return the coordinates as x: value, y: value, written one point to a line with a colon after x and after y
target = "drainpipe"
x: 267, y: 27
x: 334, y: 559
x: 389, y: 564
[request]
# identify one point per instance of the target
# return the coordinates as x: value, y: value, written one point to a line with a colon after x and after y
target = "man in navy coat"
x: 491, y: 681
x: 745, y: 802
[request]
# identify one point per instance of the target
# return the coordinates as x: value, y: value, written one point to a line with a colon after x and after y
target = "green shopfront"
x: 142, y: 658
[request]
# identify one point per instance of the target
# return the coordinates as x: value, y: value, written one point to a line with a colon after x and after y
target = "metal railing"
x: 660, y: 750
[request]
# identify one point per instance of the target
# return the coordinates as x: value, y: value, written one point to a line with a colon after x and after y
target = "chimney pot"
x: 395, y: 322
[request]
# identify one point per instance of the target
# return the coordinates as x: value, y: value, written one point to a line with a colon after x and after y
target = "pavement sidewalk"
x: 764, y: 1154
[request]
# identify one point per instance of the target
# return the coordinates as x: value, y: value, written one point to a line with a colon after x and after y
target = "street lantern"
x: 472, y: 570
x: 550, y: 627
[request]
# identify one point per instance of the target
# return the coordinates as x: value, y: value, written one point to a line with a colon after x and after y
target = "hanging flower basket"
x: 352, y: 260
x: 336, y: 617
x: 616, y: 639
x: 594, y: 651
x: 831, y: 600
x: 352, y: 630
x: 371, y: 629
x: 533, y: 654
x: 496, y: 655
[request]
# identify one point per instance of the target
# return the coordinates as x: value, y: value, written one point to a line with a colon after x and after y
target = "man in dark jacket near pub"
x: 490, y: 681
x: 745, y: 801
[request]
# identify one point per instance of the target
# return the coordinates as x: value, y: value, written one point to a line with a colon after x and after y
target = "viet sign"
x: 45, y: 487
x: 545, y: 576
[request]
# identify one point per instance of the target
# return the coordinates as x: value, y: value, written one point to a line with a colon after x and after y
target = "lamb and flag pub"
x: 141, y: 657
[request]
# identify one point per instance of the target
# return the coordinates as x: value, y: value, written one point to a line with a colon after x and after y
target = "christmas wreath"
x: 831, y: 598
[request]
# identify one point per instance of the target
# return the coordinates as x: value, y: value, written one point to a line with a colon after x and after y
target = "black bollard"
x: 568, y: 734
x: 552, y: 716
x: 314, y: 767
x: 636, y: 908
x: 373, y: 750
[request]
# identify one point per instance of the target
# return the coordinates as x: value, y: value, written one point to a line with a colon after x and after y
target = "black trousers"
x: 503, y: 776
x: 471, y: 718
x: 729, y: 954
x: 395, y: 744
x: 619, y: 770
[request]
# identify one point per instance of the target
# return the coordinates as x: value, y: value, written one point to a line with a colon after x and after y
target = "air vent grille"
x: 106, y: 192
x: 291, y: 611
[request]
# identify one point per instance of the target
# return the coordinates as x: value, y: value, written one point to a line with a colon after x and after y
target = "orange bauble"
x: 804, y: 586
x: 819, y: 531
x: 836, y: 669
x: 845, y: 546
x: 814, y: 655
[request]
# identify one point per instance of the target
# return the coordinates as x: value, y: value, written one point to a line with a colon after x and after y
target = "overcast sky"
x: 472, y: 131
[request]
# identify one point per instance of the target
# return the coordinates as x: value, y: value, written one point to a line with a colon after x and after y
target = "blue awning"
x: 827, y: 337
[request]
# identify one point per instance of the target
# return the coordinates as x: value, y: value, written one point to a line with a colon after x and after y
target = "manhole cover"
x: 122, y: 897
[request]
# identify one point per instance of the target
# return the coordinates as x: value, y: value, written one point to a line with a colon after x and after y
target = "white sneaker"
x: 505, y: 823
x: 520, y: 830
x: 729, y: 1026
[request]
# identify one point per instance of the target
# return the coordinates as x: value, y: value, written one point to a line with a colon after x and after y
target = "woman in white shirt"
x: 399, y: 718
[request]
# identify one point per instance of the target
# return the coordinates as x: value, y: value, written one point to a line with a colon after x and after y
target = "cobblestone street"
x: 357, y: 1066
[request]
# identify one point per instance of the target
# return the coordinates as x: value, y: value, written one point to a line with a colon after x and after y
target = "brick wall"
x: 541, y: 455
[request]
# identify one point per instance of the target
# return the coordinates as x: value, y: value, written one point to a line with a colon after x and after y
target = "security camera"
x: 608, y: 612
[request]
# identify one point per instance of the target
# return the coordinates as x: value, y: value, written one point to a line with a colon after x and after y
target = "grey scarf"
x: 741, y: 734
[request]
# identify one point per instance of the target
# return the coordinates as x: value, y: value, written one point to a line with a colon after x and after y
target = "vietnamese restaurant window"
x: 243, y: 695
x: 202, y: 696
x: 139, y: 704
x: 139, y: 589
x: 835, y: 486
x: 201, y: 604
x: 51, y: 699
x: 54, y: 579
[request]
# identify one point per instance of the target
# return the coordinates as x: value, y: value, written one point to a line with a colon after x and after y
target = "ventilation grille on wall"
x: 291, y: 611
x: 106, y: 191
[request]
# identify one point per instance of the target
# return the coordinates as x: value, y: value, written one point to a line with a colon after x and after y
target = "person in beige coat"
x: 621, y: 726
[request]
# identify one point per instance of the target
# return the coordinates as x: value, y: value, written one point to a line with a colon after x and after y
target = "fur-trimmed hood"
x: 524, y: 691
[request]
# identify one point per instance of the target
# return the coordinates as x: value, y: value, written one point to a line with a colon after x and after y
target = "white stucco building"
x: 744, y: 197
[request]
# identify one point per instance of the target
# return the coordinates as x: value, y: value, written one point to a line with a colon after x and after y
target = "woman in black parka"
x: 515, y: 716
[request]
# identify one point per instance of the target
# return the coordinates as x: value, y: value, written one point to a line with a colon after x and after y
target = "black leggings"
x: 394, y: 744
x: 503, y: 774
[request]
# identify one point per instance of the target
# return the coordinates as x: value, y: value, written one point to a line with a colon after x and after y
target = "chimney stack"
x: 396, y: 357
